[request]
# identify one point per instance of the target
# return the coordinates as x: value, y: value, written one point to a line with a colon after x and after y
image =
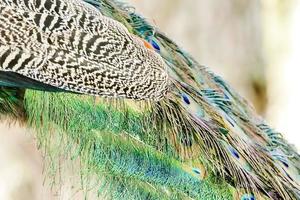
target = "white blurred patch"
x: 283, y: 52
x: 20, y: 166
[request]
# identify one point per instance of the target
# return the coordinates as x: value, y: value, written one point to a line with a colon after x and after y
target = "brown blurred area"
x: 21, y: 165
x: 248, y: 43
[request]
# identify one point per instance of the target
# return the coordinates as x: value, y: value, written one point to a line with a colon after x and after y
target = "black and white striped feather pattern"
x: 71, y: 46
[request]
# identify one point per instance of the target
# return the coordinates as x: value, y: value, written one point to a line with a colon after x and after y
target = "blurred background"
x: 254, y: 45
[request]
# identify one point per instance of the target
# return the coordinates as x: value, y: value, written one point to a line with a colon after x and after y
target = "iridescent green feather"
x: 113, y: 142
x: 205, y: 111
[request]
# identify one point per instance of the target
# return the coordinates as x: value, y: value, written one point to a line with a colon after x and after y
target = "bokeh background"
x: 254, y: 45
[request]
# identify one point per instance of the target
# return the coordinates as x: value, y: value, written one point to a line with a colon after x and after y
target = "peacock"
x: 99, y: 84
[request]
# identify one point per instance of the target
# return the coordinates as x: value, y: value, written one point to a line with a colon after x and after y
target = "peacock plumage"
x: 99, y: 84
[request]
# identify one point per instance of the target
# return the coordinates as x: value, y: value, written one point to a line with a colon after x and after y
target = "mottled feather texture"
x: 66, y: 45
x: 189, y: 116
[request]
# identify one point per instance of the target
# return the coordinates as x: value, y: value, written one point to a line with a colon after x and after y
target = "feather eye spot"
x: 155, y: 45
x: 234, y: 152
x: 186, y: 99
x: 196, y: 171
x: 285, y: 164
x: 224, y: 131
x: 248, y: 197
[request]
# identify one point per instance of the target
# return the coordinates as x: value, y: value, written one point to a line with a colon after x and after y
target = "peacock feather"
x: 99, y: 84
